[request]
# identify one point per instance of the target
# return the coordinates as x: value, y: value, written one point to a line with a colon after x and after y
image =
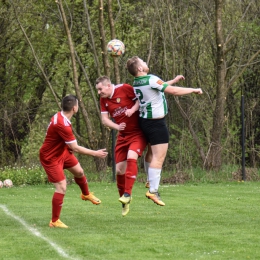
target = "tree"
x: 215, y: 47
x: 226, y: 42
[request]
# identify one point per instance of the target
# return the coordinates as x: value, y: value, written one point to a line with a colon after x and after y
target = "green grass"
x: 202, y: 221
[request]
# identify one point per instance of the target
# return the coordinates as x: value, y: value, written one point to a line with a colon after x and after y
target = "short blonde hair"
x: 103, y: 79
x: 132, y: 65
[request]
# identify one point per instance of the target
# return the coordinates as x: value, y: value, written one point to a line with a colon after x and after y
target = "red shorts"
x: 55, y: 171
x: 136, y: 142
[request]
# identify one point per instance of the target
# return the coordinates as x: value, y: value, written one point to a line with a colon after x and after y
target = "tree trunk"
x: 213, y: 159
x: 103, y: 39
x: 93, y: 140
x: 113, y: 36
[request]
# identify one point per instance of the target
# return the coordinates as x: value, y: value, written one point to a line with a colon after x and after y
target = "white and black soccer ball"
x: 116, y: 47
x: 8, y: 183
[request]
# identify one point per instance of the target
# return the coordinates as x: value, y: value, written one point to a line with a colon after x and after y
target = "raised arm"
x: 175, y: 80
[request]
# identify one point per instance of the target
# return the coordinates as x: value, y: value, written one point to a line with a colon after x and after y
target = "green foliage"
x: 32, y: 175
x: 176, y: 36
x: 35, y: 174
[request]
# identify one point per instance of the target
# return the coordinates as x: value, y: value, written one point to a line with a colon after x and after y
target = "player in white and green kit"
x: 150, y: 91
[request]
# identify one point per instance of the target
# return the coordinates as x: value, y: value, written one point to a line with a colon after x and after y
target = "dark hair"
x: 102, y: 79
x: 132, y: 65
x: 68, y: 103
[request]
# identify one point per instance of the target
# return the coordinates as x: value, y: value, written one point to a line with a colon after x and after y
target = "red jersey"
x: 122, y: 98
x: 59, y: 134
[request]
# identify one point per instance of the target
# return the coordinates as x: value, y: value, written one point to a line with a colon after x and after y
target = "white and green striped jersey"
x: 149, y: 90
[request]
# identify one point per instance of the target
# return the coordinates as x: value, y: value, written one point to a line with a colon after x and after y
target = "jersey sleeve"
x: 130, y: 92
x: 103, y: 107
x: 65, y: 132
x: 157, y: 83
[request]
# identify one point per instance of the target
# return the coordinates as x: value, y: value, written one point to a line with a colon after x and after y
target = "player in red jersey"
x: 121, y: 104
x: 56, y: 154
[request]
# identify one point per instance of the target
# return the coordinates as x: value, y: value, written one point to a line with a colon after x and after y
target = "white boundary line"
x: 35, y: 232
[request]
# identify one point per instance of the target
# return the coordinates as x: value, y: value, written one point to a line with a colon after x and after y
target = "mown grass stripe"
x: 35, y: 232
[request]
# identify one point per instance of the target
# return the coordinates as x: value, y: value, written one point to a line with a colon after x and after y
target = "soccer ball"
x: 1, y: 184
x: 116, y: 48
x: 8, y: 183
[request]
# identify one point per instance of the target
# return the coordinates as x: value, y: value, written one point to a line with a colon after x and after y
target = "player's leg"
x: 56, y: 176
x: 120, y: 177
x: 131, y: 172
x: 82, y: 182
x: 159, y: 152
x: 130, y: 177
x: 137, y: 144
x: 158, y: 137
x: 121, y: 150
x: 120, y: 180
x: 57, y: 202
x: 71, y: 164
x: 147, y: 161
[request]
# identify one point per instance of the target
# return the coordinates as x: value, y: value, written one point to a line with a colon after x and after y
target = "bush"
x: 35, y: 175
x: 32, y: 175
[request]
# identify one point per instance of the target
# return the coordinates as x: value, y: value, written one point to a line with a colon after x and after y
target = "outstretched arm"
x: 74, y: 147
x: 180, y: 91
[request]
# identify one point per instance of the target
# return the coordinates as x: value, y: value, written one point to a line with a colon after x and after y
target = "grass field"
x: 202, y: 221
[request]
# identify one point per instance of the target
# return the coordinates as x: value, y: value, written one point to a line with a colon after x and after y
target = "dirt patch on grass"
x: 251, y: 174
x: 177, y: 178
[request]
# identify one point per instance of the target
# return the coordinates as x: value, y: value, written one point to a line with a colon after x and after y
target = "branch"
x: 229, y: 36
x: 249, y: 62
x: 113, y: 36
x: 75, y: 74
x: 35, y: 56
x: 90, y: 86
x: 92, y: 38
x: 195, y: 138
x: 103, y: 38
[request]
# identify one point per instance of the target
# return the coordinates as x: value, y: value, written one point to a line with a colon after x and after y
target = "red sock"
x: 130, y: 174
x: 120, y: 180
x: 57, y: 201
x: 83, y: 184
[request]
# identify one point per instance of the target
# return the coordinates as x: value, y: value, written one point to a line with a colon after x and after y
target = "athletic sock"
x: 57, y: 201
x: 120, y: 181
x: 154, y: 179
x: 146, y: 167
x: 130, y: 175
x: 83, y: 184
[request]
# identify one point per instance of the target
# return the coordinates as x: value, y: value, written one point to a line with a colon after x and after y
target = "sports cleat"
x: 147, y: 185
x: 125, y: 209
x: 57, y: 223
x: 155, y: 197
x: 91, y: 198
x: 125, y: 200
